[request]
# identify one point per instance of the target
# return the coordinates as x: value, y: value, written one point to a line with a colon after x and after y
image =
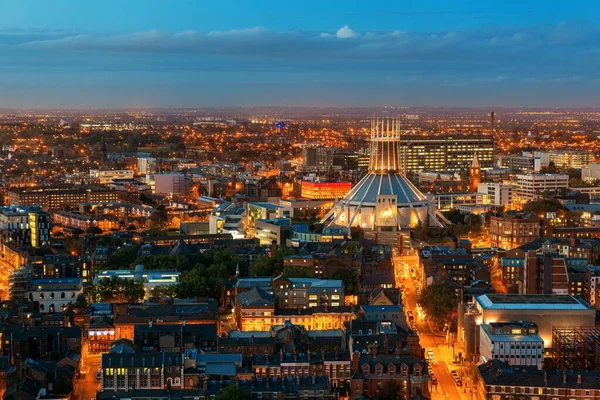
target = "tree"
x: 550, y: 169
x: 269, y: 266
x: 234, y: 392
x: 117, y: 290
x: 347, y: 276
x: 159, y: 219
x: 298, y: 271
x: 164, y: 291
x: 210, y: 268
x: 94, y: 230
x: 393, y: 391
x: 439, y: 303
x: 124, y: 256
x: 73, y: 245
x: 543, y: 206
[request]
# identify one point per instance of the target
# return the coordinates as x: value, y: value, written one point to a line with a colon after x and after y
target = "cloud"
x: 561, y: 45
x: 345, y: 32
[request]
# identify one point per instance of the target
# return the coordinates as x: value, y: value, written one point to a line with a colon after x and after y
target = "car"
x: 454, y: 374
x: 99, y: 375
x: 430, y: 353
x: 458, y: 382
x: 434, y: 380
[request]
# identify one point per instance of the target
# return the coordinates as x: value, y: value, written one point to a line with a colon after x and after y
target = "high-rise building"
x: 532, y: 186
x: 317, y: 157
x: 175, y: 184
x: 446, y: 153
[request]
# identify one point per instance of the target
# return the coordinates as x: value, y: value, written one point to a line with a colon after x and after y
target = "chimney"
x: 298, y: 380
x: 578, y: 380
x: 314, y: 378
x: 355, y: 358
x: 564, y: 378
x: 545, y: 378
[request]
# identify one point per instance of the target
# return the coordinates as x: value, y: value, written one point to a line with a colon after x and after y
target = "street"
x: 442, y: 363
x: 87, y: 386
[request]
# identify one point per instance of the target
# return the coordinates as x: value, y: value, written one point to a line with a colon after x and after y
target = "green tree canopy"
x: 234, y: 392
x: 269, y: 266
x: 347, y: 276
x: 164, y: 291
x: 159, y: 219
x: 124, y: 256
x: 440, y: 303
x: 117, y: 290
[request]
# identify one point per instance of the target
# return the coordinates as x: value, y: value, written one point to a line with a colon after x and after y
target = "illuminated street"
x: 442, y: 364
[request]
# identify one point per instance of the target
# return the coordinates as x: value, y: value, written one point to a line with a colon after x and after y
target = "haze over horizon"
x: 188, y: 54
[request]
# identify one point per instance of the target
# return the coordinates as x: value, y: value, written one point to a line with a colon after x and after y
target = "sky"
x: 197, y: 53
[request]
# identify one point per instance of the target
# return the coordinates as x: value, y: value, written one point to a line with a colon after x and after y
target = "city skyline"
x: 199, y: 54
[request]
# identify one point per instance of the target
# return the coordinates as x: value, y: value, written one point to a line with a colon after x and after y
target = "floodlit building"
x: 516, y: 343
x: 544, y: 310
x: 384, y: 203
x: 497, y: 194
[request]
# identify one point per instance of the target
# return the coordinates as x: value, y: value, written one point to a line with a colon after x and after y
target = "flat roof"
x: 529, y: 302
x: 511, y: 338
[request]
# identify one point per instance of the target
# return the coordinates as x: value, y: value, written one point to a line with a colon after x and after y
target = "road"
x: 87, y: 386
x: 442, y: 363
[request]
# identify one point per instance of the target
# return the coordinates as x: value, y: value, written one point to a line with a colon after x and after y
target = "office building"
x: 276, y: 230
x: 27, y: 225
x: 522, y: 163
x: 171, y: 184
x: 107, y: 176
x: 515, y: 343
x: 308, y: 292
x: 57, y: 197
x: 591, y: 172
x: 446, y: 153
x: 323, y: 190
x: 351, y: 161
x: 546, y: 311
x: 497, y: 194
x: 319, y: 157
x: 532, y: 186
x: 565, y: 158
x: 227, y: 217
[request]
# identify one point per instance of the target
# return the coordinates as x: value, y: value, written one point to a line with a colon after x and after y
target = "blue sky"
x: 180, y: 53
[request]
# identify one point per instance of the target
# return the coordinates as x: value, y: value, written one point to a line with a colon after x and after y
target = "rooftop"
x: 530, y: 301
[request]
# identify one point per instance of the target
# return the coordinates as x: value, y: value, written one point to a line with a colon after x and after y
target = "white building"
x: 497, y: 194
x: 146, y: 165
x: 227, y: 218
x: 516, y: 343
x: 108, y: 176
x: 150, y: 279
x: 531, y: 186
x: 591, y: 172
x: 54, y: 294
x: 565, y: 158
